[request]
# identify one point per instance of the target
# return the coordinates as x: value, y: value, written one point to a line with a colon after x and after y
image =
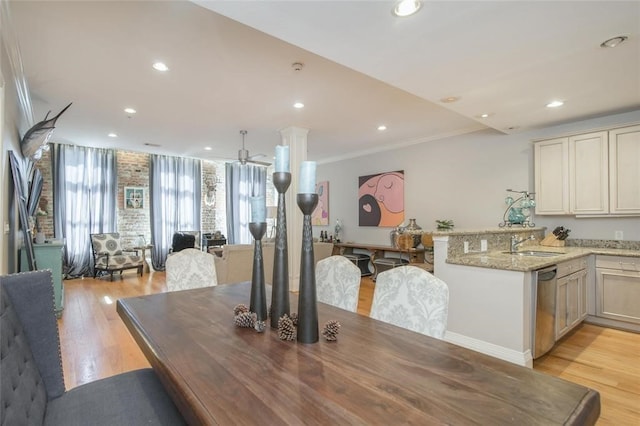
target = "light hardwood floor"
x: 96, y: 344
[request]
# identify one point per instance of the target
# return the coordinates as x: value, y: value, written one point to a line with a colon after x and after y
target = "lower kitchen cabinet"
x: 571, y: 306
x: 618, y: 288
x: 49, y: 256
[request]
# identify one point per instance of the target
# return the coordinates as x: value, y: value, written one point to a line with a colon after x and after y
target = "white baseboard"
x: 520, y: 358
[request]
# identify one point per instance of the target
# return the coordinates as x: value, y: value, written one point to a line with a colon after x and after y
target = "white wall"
x: 463, y: 178
x: 11, y: 116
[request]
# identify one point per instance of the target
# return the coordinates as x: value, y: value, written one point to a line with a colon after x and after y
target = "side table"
x: 144, y: 249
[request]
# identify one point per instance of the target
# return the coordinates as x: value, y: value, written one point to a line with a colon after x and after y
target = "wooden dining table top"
x: 375, y: 373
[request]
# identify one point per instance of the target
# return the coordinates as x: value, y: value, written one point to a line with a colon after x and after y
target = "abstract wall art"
x: 320, y: 215
x: 381, y: 199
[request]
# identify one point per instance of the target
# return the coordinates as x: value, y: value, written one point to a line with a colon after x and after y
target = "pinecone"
x: 294, y: 318
x: 331, y: 329
x: 260, y: 326
x: 245, y: 319
x: 240, y: 309
x: 286, y: 329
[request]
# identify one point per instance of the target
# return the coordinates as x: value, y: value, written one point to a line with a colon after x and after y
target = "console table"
x: 49, y: 256
x: 415, y: 256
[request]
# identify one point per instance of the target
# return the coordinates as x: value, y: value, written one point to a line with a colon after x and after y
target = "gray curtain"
x: 84, y: 201
x: 175, y: 189
x: 242, y: 182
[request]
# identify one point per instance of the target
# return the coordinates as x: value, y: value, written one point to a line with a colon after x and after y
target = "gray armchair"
x: 33, y: 390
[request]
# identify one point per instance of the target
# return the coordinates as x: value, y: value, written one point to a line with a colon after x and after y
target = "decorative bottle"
x: 415, y: 231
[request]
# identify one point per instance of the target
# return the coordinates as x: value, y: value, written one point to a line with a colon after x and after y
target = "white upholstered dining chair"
x: 190, y: 268
x: 412, y: 298
x: 338, y: 282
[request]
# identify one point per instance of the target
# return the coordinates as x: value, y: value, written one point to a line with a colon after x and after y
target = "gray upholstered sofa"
x: 33, y: 390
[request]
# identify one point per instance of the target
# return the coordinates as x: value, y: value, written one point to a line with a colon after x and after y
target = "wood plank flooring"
x: 96, y: 344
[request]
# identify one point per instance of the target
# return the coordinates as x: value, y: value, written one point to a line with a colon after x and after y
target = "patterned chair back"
x: 338, y: 282
x: 412, y: 298
x: 190, y: 268
x: 108, y: 243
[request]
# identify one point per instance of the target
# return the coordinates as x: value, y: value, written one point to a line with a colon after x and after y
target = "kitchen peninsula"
x: 492, y: 304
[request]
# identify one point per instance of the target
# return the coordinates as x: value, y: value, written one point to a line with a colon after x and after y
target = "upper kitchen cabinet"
x: 624, y: 170
x: 589, y: 174
x: 551, y: 159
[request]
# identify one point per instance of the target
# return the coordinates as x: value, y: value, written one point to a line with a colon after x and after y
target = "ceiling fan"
x: 244, y: 157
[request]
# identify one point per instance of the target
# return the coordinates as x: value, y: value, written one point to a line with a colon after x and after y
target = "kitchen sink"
x: 535, y: 253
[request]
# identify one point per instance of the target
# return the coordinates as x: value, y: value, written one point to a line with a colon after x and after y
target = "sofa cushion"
x: 118, y: 262
x: 23, y: 394
x: 133, y: 398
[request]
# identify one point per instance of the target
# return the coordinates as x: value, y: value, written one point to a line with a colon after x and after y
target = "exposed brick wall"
x: 133, y: 171
x: 46, y: 197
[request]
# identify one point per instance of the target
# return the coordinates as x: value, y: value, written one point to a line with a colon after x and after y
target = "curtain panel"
x: 175, y: 201
x: 84, y: 201
x: 242, y: 181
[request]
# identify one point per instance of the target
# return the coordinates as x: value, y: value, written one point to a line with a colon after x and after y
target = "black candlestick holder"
x: 307, y: 305
x: 280, y: 281
x: 258, y: 303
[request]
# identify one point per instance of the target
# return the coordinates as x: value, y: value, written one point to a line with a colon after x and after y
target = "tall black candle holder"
x: 280, y: 281
x: 307, y: 306
x: 258, y: 302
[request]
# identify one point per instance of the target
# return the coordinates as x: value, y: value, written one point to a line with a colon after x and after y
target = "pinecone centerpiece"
x: 331, y: 330
x: 245, y: 319
x: 240, y: 308
x: 286, y: 329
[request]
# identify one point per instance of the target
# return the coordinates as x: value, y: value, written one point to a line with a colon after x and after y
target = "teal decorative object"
x: 518, y: 211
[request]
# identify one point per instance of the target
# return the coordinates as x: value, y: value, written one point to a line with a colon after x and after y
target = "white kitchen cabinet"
x: 618, y: 288
x: 589, y: 174
x: 552, y: 176
x: 624, y: 170
x: 571, y: 296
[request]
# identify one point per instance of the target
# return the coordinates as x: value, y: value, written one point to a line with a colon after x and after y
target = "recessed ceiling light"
x: 130, y: 110
x: 382, y: 127
x: 298, y: 105
x: 450, y: 99
x: 485, y: 115
x: 160, y: 66
x: 112, y: 135
x: 406, y: 7
x: 513, y: 127
x: 613, y: 42
x: 207, y: 148
x: 555, y: 104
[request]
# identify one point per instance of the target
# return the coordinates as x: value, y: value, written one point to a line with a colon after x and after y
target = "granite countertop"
x: 506, y: 261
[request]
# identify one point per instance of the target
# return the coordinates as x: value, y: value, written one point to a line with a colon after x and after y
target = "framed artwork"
x: 320, y: 215
x: 133, y: 197
x: 381, y: 199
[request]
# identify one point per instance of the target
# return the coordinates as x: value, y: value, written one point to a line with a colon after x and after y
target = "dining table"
x: 374, y: 373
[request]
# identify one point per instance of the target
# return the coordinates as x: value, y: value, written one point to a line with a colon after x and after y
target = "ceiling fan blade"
x: 260, y: 163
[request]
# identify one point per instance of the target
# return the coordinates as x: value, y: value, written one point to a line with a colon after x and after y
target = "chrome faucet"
x: 515, y: 242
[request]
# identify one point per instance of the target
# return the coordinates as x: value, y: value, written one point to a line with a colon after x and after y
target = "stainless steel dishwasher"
x: 544, y: 310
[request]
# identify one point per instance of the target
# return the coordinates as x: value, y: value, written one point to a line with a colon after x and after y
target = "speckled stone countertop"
x: 510, y: 262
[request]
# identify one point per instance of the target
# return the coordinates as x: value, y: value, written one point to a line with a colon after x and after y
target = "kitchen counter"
x: 500, y: 259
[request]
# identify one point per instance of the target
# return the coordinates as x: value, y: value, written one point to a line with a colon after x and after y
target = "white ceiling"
x: 230, y: 69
